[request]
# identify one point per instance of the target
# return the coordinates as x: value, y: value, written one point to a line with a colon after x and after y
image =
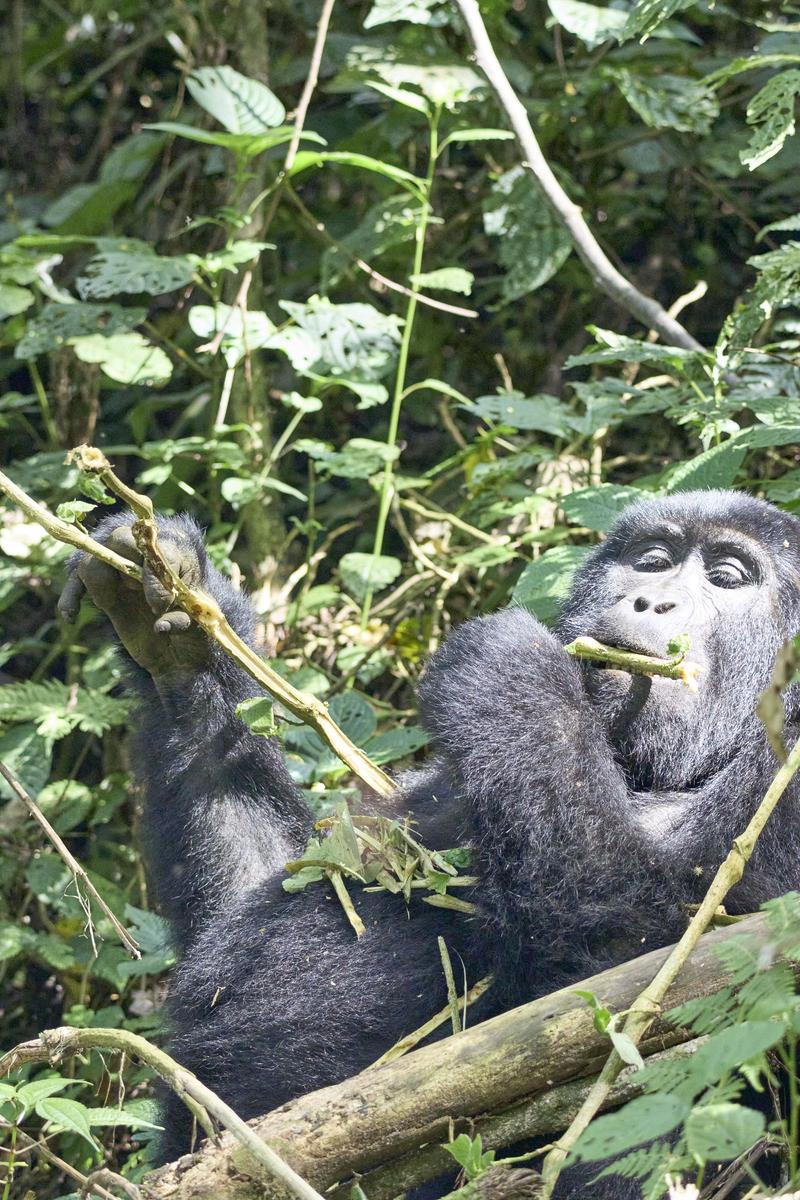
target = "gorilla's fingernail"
x: 162, y: 625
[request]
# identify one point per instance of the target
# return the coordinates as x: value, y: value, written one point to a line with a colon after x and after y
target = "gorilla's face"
x: 709, y: 565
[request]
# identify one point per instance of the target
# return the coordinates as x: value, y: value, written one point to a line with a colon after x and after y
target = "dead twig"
x: 72, y: 862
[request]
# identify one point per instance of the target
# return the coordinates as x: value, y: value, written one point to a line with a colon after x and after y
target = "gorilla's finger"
x: 184, y: 563
x: 121, y: 540
x: 69, y: 601
x: 173, y: 622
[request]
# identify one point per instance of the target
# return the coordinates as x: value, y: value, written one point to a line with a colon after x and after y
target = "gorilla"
x: 597, y: 804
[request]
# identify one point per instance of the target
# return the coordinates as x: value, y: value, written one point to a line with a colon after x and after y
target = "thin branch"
x: 54, y: 1044
x: 320, y: 228
x: 73, y: 864
x: 302, y: 107
x: 603, y: 272
x: 647, y: 1005
x: 590, y: 650
x: 200, y: 607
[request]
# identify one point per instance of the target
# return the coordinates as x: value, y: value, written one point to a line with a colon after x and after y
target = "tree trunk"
x: 514, y: 1074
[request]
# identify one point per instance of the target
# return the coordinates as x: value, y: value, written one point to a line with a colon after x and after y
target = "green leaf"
x: 400, y: 95
x: 316, y: 158
x: 40, y: 1089
x: 133, y: 267
x: 598, y: 507
x: 68, y: 1115
x: 246, y: 144
x: 721, y: 1132
x: 14, y: 299
x: 242, y: 105
x: 533, y: 244
x: 449, y: 279
x: 641, y: 1120
x: 242, y: 333
x: 361, y: 573
x: 616, y: 347
x: 87, y: 709
x: 462, y: 136
x: 26, y: 753
x: 112, y: 1118
x: 89, y: 207
x: 354, y: 343
x: 57, y: 323
x: 647, y: 15
x: 715, y: 468
x: 415, y: 12
x: 543, y: 413
x: 258, y: 713
x: 591, y: 23
x: 14, y: 939
x: 354, y: 714
x: 668, y: 101
x: 125, y: 357
x: 625, y: 1047
x: 396, y: 743
x: 544, y: 584
x: 360, y: 458
x: 470, y: 1155
x: 771, y: 112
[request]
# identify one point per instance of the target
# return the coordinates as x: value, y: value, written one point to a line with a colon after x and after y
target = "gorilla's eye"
x: 729, y: 573
x: 653, y: 558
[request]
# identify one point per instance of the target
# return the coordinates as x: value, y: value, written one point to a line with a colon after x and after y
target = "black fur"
x: 591, y: 799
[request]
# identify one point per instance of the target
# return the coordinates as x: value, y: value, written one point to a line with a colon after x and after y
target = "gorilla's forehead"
x: 712, y: 514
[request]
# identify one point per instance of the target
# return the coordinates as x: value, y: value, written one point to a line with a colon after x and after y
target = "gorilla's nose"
x: 649, y: 604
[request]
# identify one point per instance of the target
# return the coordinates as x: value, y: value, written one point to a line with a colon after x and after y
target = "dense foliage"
x: 259, y: 348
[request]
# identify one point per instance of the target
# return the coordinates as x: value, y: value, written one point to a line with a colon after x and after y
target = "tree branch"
x: 603, y: 272
x: 200, y: 607
x: 649, y: 1002
x: 505, y: 1068
x: 54, y: 1044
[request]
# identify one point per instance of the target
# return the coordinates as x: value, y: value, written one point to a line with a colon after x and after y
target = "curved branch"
x: 603, y: 272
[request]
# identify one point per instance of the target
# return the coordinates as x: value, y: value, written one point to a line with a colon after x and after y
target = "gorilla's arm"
x: 221, y: 811
x: 566, y: 871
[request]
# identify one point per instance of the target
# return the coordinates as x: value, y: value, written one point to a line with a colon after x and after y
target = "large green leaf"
x: 668, y: 101
x: 544, y: 584
x: 647, y: 15
x: 721, y: 1132
x: 68, y: 1115
x: 715, y: 468
x: 242, y: 105
x: 125, y: 357
x: 353, y: 342
x: 543, y: 413
x: 347, y: 158
x: 533, y: 243
x: 241, y: 333
x: 771, y: 112
x: 598, y: 507
x: 132, y: 266
x: 246, y: 144
x: 591, y: 23
x: 362, y: 573
x: 56, y: 324
x: 641, y: 1120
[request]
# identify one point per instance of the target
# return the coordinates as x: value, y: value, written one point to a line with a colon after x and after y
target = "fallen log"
x: 507, y: 1074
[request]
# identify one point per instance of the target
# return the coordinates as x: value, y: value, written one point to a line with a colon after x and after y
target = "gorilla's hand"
x: 158, y: 637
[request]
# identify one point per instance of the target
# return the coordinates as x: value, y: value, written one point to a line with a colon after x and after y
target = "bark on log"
x: 377, y: 1118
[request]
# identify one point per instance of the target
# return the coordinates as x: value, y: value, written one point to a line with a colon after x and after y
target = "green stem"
x: 44, y: 404
x: 402, y: 361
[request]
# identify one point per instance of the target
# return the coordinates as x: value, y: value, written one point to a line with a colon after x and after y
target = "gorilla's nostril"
x: 664, y: 607
x: 640, y: 604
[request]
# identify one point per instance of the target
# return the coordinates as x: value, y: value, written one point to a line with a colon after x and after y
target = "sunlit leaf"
x: 241, y: 104
x: 772, y: 113
x: 125, y: 357
x: 532, y: 242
